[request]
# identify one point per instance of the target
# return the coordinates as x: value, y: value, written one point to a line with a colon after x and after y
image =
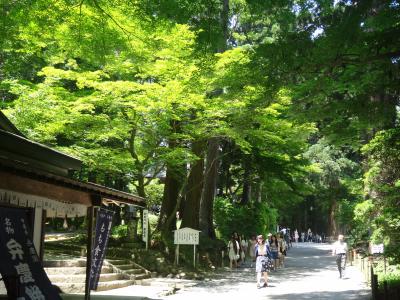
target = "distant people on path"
x: 309, y: 235
x: 252, y: 243
x: 233, y: 251
x: 263, y: 264
x: 340, y: 249
x: 282, y: 250
x: 239, y: 240
x: 302, y: 237
x: 296, y: 236
x: 244, y: 247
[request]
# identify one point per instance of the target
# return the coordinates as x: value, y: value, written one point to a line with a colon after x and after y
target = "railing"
x: 366, y: 265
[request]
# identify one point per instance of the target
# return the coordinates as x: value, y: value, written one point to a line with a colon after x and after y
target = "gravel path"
x: 310, y: 273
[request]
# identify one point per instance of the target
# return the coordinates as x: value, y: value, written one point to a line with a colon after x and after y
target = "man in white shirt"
x: 340, y: 249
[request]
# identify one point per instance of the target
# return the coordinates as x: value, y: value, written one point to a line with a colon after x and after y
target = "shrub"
x: 119, y: 231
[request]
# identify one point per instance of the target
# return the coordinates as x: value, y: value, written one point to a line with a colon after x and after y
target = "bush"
x: 392, y: 276
x: 119, y: 231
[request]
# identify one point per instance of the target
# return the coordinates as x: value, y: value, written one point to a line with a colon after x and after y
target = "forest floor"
x: 310, y: 273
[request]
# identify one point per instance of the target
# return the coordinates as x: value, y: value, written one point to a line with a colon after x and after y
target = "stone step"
x: 79, y: 278
x: 74, y: 270
x: 75, y: 288
x: 134, y: 271
x: 64, y: 263
x: 142, y: 276
x: 117, y: 262
x: 125, y: 267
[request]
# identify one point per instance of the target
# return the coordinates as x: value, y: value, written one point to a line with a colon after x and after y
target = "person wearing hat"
x: 340, y: 249
x: 262, y: 254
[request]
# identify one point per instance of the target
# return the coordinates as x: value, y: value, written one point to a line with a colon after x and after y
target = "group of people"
x: 308, y: 236
x: 267, y: 254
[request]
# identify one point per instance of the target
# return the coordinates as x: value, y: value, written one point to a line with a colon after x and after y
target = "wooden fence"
x: 366, y: 265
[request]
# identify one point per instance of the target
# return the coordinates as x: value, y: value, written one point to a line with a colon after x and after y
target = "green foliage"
x: 383, y: 190
x: 255, y: 218
x: 119, y: 231
x: 391, y: 276
x: 154, y: 192
x: 295, y: 89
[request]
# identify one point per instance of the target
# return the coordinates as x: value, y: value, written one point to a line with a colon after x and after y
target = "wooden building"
x: 37, y: 178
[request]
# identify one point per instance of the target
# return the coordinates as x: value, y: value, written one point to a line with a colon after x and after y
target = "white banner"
x: 53, y: 208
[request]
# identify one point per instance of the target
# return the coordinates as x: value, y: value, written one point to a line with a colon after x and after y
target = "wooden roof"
x: 31, y: 167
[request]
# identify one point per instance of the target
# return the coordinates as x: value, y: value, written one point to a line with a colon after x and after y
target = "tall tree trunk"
x: 332, y: 218
x: 246, y: 194
x: 211, y: 172
x: 172, y: 186
x: 194, y: 188
x: 210, y: 182
x: 171, y: 193
x: 140, y: 185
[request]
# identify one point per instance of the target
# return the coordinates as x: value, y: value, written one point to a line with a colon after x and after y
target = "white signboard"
x: 145, y: 231
x: 376, y: 249
x: 186, y: 236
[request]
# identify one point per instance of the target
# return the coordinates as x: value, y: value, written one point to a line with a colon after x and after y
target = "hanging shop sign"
x: 20, y: 267
x: 102, y: 233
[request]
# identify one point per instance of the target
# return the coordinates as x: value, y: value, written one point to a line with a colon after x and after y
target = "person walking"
x: 263, y: 255
x: 233, y: 252
x: 340, y: 249
x: 239, y: 241
x: 245, y: 244
x: 253, y: 243
x: 296, y: 237
x: 282, y: 250
x: 274, y: 248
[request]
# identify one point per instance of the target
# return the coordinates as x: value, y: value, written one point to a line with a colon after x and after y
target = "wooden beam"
x: 13, y: 182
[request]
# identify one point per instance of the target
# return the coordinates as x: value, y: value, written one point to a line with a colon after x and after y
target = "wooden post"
x: 194, y: 255
x: 385, y: 291
x: 384, y: 262
x: 373, y: 291
x: 177, y: 255
x: 90, y: 218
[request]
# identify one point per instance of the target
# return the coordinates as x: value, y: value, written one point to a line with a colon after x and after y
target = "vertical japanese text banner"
x: 20, y: 267
x: 145, y: 231
x: 103, y: 227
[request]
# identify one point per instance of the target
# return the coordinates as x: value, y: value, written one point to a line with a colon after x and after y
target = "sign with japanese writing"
x: 145, y: 225
x: 20, y: 266
x: 186, y: 236
x: 103, y: 227
x: 377, y: 249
